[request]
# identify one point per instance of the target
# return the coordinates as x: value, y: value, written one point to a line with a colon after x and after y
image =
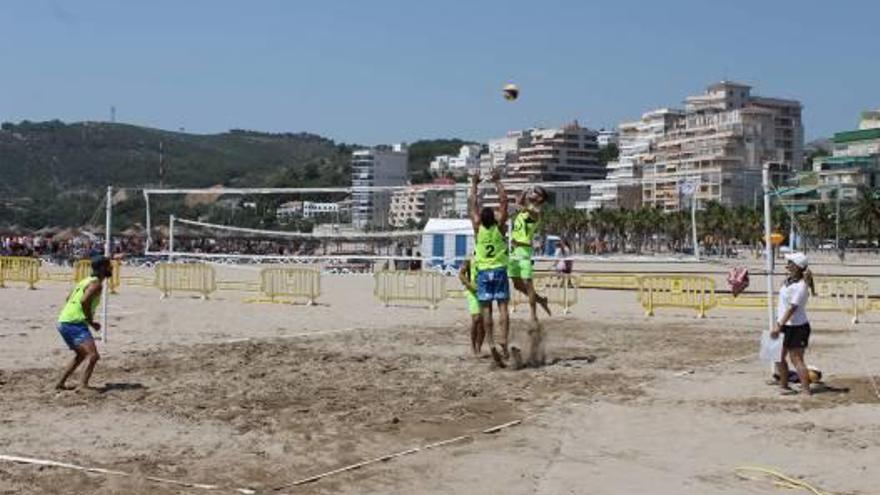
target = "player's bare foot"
x: 499, y: 361
x: 62, y: 387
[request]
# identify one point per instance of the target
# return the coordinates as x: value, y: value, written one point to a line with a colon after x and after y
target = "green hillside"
x: 55, y: 174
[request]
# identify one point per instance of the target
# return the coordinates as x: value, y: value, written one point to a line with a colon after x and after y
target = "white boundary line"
x: 113, y: 472
x: 351, y: 467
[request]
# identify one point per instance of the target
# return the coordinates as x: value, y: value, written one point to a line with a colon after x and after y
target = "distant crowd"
x: 65, y: 251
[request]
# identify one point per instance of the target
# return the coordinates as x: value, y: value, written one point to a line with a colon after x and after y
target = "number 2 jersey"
x: 491, y: 249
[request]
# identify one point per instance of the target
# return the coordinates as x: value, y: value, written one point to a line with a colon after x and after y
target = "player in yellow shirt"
x: 467, y: 274
x: 77, y: 316
x: 490, y: 258
x: 521, y: 269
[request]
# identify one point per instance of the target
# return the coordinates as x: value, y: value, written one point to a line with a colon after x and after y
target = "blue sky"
x: 384, y: 71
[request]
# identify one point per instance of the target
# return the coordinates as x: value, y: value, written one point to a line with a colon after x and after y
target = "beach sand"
x: 261, y: 395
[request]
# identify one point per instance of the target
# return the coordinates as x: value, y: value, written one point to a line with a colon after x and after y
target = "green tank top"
x: 524, y: 227
x: 491, y: 249
x: 73, y: 311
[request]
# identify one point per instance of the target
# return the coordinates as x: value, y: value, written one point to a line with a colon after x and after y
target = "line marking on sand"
x: 248, y: 491
x: 113, y: 472
x: 351, y: 467
x: 296, y: 335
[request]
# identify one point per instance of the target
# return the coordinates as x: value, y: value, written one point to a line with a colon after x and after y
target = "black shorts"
x: 796, y: 336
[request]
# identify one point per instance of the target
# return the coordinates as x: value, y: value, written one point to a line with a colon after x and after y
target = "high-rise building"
x: 503, y: 151
x: 607, y: 137
x: 720, y: 144
x: 565, y: 154
x: 854, y: 162
x: 379, y: 166
x: 637, y: 144
x: 414, y: 204
x: 569, y: 153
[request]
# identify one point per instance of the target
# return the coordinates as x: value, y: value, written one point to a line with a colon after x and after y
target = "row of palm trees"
x: 718, y: 227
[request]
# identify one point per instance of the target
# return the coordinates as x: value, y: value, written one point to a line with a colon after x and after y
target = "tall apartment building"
x: 855, y: 160
x: 637, y: 144
x: 720, y: 144
x: 607, y: 137
x: 569, y: 153
x: 380, y: 166
x: 503, y: 151
x: 414, y: 204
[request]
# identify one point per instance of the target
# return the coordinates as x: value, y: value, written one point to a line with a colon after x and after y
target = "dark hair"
x: 100, y: 266
x: 487, y: 217
x: 542, y: 192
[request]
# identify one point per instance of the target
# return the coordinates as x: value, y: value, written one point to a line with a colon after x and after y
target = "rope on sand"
x: 781, y: 480
x: 388, y: 457
x: 113, y: 472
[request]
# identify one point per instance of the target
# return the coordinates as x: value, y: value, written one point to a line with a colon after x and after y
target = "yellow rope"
x: 781, y: 480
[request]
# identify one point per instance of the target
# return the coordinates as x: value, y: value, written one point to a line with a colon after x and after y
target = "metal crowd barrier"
x: 841, y: 294
x: 406, y: 286
x: 185, y: 277
x: 674, y: 291
x: 607, y: 281
x: 287, y: 284
x: 19, y: 269
x: 560, y: 290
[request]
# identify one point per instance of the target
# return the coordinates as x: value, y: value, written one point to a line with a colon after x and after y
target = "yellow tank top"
x: 524, y: 227
x: 491, y: 249
x: 73, y: 311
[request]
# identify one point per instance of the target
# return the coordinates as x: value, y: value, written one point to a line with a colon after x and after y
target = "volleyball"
x: 815, y: 375
x: 511, y: 92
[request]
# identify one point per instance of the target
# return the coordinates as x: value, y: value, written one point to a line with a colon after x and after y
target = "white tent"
x: 447, y: 241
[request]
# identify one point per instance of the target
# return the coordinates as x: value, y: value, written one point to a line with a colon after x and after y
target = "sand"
x: 261, y: 395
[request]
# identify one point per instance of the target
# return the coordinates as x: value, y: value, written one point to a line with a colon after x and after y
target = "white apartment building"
x: 606, y: 137
x: 855, y: 160
x: 380, y: 166
x: 415, y: 204
x: 468, y: 159
x: 720, y: 143
x: 311, y: 209
x: 503, y: 151
x: 637, y: 143
x: 569, y: 153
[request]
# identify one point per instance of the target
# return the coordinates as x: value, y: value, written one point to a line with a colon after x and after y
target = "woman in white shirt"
x: 792, y: 322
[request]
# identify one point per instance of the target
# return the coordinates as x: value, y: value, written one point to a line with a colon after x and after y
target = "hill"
x: 54, y: 173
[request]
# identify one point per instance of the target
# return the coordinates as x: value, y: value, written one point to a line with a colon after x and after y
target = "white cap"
x: 799, y: 259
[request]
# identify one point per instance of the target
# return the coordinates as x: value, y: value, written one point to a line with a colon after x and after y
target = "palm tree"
x: 819, y: 223
x: 865, y: 213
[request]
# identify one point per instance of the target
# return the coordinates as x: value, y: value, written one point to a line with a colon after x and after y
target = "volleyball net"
x: 319, y: 225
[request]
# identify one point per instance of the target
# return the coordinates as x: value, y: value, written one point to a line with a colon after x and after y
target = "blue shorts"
x: 74, y: 334
x: 492, y: 285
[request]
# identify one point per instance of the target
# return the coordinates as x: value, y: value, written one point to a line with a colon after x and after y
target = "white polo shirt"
x: 797, y: 294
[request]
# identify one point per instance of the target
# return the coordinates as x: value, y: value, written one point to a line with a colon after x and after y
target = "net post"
x: 171, y: 239
x: 768, y: 248
x: 105, y: 294
x: 149, y: 239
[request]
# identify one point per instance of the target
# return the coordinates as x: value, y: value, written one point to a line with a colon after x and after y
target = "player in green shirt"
x: 77, y: 316
x: 467, y: 274
x: 490, y: 258
x: 520, y: 269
